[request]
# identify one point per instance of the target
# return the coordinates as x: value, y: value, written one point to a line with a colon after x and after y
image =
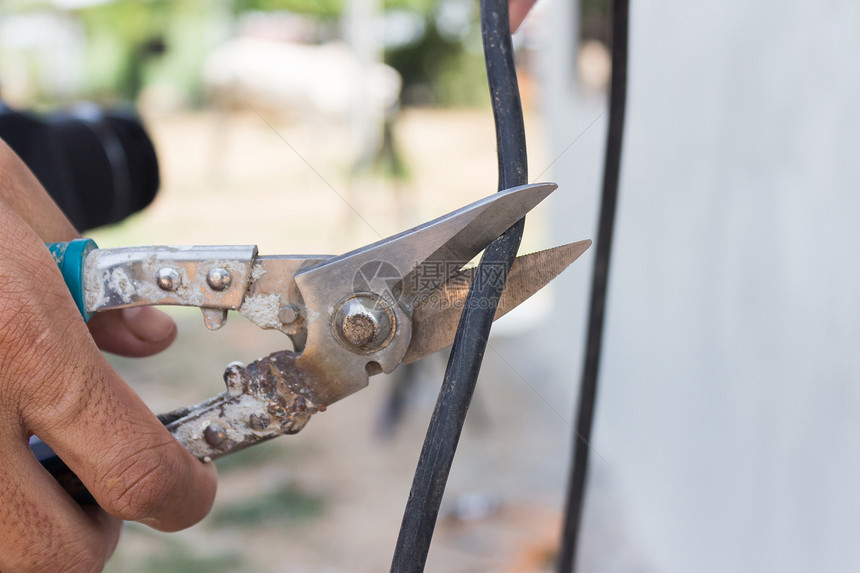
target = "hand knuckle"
x: 35, y: 355
x: 23, y: 352
x: 136, y: 485
x: 24, y: 310
x: 38, y: 344
x: 13, y: 307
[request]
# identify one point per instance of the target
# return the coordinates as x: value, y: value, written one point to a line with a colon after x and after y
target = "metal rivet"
x: 215, y: 435
x: 167, y: 279
x: 288, y: 314
x: 218, y: 278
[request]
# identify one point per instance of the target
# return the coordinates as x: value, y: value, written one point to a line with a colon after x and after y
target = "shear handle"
x: 263, y: 400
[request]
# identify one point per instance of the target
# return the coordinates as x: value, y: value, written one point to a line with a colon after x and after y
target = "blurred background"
x: 727, y: 421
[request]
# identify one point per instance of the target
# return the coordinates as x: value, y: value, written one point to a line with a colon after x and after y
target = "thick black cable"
x: 600, y: 280
x: 443, y: 433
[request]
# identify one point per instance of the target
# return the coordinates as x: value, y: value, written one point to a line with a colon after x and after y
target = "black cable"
x: 588, y: 383
x: 443, y: 433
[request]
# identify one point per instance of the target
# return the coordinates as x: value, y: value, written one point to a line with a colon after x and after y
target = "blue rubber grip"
x: 70, y: 258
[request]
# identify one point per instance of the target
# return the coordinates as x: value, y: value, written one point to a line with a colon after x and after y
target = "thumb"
x: 141, y: 331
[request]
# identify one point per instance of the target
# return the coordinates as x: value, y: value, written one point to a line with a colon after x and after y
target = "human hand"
x: 55, y: 383
x: 518, y: 10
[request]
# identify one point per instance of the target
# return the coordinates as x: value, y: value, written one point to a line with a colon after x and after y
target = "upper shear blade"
x: 451, y: 240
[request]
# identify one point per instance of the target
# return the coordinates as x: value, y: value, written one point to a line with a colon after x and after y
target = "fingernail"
x: 148, y: 324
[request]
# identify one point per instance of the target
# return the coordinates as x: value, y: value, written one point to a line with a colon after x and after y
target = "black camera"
x: 99, y: 166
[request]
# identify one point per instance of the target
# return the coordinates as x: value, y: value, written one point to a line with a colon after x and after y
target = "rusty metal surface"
x: 267, y: 398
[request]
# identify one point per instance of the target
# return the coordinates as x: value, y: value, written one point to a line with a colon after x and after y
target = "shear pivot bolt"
x: 360, y: 327
x: 364, y: 322
x: 167, y: 279
x: 218, y: 278
x: 215, y: 435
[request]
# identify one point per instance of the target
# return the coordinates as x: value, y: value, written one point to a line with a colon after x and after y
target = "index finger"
x: 64, y: 391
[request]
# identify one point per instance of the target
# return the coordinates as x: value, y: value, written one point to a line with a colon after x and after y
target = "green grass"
x: 288, y: 504
x: 168, y: 554
x: 253, y: 457
x: 179, y: 562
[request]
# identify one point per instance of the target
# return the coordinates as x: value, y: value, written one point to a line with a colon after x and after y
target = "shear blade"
x: 451, y: 240
x: 435, y: 319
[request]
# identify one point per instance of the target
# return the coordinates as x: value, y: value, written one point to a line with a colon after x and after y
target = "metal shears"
x: 349, y: 316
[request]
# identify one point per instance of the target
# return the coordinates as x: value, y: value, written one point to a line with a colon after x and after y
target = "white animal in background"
x: 326, y: 80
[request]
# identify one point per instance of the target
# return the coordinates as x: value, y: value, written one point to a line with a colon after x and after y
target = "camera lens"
x: 99, y: 167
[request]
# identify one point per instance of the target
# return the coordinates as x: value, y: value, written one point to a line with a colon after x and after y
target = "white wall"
x: 729, y: 409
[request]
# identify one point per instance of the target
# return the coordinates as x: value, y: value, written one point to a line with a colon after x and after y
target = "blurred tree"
x: 121, y: 37
x: 595, y: 20
x: 437, y: 69
x: 324, y: 9
x: 133, y: 43
x: 436, y: 63
x: 327, y: 8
